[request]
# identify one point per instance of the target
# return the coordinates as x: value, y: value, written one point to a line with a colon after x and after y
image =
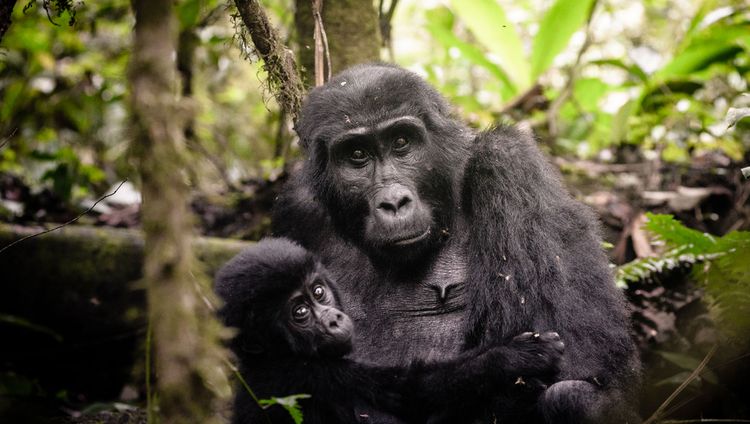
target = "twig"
x: 567, y: 91
x: 660, y: 410
x: 64, y: 224
x: 7, y: 139
x: 384, y: 19
x: 247, y: 388
x: 321, y: 45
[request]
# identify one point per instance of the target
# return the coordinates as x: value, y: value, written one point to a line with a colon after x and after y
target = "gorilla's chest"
x: 412, y: 316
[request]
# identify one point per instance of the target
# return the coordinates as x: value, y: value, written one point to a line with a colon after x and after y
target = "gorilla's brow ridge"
x: 367, y: 129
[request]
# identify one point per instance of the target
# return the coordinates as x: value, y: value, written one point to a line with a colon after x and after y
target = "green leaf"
x: 188, y: 13
x: 440, y: 26
x: 289, y: 403
x: 487, y: 21
x: 558, y: 25
x: 675, y: 234
x: 697, y: 58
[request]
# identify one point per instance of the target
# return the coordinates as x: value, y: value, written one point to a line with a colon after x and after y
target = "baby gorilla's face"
x: 316, y: 326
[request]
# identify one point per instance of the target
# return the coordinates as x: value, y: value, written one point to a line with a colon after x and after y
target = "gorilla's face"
x: 383, y: 159
x: 382, y: 169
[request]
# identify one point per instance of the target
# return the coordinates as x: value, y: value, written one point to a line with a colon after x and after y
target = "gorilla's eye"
x: 318, y: 292
x: 400, y: 143
x: 358, y: 156
x: 301, y: 312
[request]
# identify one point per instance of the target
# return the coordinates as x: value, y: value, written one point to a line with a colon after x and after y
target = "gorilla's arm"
x: 536, y: 259
x: 415, y: 392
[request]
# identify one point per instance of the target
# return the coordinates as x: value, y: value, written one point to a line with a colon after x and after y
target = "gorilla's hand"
x: 533, y: 357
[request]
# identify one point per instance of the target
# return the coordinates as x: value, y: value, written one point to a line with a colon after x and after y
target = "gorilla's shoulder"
x: 299, y: 215
x: 505, y: 141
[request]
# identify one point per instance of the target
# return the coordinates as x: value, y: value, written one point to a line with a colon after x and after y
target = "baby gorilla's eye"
x: 318, y: 292
x: 301, y: 312
x: 400, y: 143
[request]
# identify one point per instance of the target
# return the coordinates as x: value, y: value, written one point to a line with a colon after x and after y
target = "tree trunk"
x: 189, y: 356
x: 352, y: 29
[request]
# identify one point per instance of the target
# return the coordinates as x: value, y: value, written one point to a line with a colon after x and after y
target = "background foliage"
x: 640, y: 104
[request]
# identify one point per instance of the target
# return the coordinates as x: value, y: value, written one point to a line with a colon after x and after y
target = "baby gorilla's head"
x: 283, y: 301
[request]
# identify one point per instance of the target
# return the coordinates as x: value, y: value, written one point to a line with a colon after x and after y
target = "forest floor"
x: 670, y: 317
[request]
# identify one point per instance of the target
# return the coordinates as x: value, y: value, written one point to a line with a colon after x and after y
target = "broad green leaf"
x: 440, y: 23
x: 487, y: 21
x: 697, y: 58
x: 715, y: 44
x: 695, y: 22
x: 558, y: 25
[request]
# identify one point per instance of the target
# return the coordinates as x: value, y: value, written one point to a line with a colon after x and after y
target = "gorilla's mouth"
x: 411, y: 239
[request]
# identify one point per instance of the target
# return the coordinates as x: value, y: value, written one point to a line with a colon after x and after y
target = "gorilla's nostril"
x: 389, y: 207
x: 403, y: 202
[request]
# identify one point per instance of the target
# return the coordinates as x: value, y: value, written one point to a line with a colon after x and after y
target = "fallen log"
x: 72, y: 311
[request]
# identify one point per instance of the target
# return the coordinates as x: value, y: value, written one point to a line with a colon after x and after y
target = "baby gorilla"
x: 293, y: 336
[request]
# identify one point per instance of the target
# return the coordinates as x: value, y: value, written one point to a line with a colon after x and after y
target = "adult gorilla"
x: 443, y: 240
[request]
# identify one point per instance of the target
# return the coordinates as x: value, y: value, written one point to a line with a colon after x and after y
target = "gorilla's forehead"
x: 378, y: 126
x: 364, y: 97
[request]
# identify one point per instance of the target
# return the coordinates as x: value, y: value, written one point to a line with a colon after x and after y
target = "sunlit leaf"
x: 487, y: 21
x: 558, y: 25
x: 698, y: 58
x: 289, y: 403
x: 439, y: 23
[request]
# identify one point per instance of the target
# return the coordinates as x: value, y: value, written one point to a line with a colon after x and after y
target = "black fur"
x: 508, y: 250
x: 278, y: 357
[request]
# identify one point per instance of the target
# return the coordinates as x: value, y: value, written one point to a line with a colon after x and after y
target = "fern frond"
x: 673, y: 234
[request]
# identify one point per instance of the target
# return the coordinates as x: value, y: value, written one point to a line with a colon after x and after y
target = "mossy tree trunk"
x: 352, y: 29
x: 189, y: 357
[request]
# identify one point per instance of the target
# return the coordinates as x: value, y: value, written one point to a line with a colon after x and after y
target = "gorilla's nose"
x: 394, y: 202
x: 336, y: 321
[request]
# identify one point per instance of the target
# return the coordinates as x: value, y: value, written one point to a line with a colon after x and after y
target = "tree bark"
x: 352, y: 29
x: 189, y: 357
x: 283, y: 75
